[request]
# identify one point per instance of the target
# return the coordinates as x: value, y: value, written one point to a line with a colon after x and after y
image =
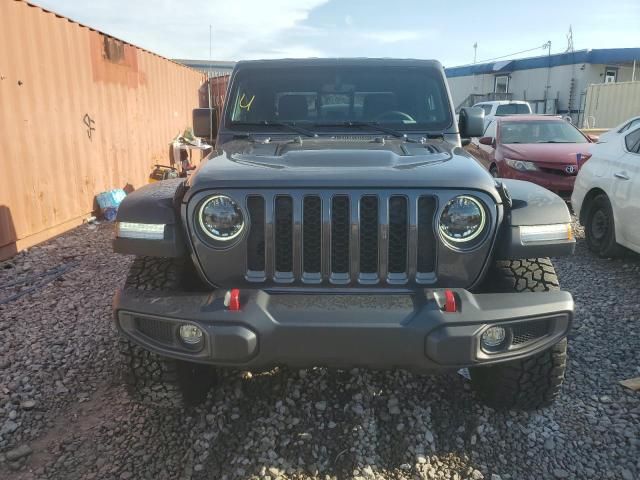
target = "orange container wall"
x: 80, y: 113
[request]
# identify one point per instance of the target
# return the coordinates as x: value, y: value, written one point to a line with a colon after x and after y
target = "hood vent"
x: 354, y: 138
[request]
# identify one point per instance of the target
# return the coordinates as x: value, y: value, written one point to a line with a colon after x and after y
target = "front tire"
x: 533, y: 382
x: 150, y: 378
x: 600, y: 229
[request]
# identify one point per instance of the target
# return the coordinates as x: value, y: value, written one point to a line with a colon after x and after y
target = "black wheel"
x: 535, y: 381
x: 600, y: 229
x: 150, y: 378
x: 493, y: 170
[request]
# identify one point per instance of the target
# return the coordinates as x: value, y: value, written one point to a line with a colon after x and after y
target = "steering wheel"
x: 395, y: 114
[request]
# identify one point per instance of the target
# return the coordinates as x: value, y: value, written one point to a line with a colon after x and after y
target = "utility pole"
x: 475, y: 51
x: 548, y: 86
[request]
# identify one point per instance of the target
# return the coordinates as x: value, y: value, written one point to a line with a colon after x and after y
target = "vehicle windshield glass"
x: 403, y: 98
x: 540, y: 131
x: 513, y: 109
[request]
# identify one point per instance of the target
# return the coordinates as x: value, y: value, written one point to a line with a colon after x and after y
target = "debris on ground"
x: 631, y: 383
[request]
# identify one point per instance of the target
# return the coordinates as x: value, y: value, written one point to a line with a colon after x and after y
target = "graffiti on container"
x: 89, y: 122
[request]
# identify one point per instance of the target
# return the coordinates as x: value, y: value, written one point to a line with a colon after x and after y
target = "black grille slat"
x: 529, y: 331
x: 312, y: 234
x: 371, y: 238
x: 340, y: 234
x: 369, y: 234
x: 255, y: 241
x: 156, y: 329
x: 397, y: 234
x: 284, y: 234
x: 426, y: 236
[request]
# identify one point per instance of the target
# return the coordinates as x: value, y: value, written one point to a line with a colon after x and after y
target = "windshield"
x: 540, y: 131
x: 404, y: 98
x: 513, y: 109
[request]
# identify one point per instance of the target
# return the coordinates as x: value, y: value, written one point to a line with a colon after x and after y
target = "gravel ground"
x: 65, y: 415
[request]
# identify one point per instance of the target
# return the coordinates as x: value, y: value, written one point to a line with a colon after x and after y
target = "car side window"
x: 632, y: 141
x: 490, y: 131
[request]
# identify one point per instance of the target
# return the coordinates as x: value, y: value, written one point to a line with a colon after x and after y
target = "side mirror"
x: 471, y: 123
x: 465, y: 142
x: 487, y: 141
x: 205, y: 122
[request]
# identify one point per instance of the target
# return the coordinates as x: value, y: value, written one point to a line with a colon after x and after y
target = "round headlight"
x: 221, y: 218
x: 462, y: 219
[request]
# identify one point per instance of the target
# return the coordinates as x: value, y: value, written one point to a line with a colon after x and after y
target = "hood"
x: 349, y: 162
x: 552, y: 153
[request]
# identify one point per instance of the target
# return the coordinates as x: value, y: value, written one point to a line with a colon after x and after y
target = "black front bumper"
x: 380, y: 330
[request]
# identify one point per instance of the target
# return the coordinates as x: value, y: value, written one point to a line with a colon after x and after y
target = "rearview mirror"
x: 487, y: 141
x: 205, y: 122
x: 471, y: 123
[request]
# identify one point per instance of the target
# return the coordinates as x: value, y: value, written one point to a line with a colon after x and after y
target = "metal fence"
x: 80, y: 113
x: 609, y: 104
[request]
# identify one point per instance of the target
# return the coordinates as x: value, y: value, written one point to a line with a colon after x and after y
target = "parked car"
x: 541, y: 149
x: 606, y: 196
x: 340, y: 223
x: 498, y: 108
x: 620, y: 129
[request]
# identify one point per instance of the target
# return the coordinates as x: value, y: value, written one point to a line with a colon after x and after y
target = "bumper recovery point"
x: 380, y: 330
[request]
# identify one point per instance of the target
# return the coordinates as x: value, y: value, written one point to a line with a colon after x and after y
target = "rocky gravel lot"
x: 65, y: 415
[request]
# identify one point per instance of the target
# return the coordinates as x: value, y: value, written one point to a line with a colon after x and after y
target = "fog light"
x: 493, y: 337
x: 190, y: 334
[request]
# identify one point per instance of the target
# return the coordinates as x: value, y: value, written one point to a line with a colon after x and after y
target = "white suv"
x: 503, y: 107
x: 606, y: 195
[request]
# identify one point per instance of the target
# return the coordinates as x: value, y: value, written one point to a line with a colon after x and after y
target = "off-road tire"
x: 150, y: 378
x: 535, y: 381
x: 599, y: 228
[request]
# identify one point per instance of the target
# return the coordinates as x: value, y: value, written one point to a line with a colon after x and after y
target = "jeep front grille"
x: 341, y: 238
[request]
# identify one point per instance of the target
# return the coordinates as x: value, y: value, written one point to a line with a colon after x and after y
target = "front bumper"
x: 562, y: 185
x: 343, y: 330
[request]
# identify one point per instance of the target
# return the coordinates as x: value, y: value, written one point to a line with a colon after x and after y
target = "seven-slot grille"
x: 342, y: 238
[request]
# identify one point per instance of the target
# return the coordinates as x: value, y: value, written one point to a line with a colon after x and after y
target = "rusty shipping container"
x: 214, y: 91
x: 80, y: 113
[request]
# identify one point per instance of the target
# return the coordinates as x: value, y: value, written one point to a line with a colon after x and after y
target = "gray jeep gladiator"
x: 339, y: 222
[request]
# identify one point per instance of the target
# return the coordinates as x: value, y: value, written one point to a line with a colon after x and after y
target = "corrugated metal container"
x: 609, y: 104
x: 214, y: 91
x: 80, y: 113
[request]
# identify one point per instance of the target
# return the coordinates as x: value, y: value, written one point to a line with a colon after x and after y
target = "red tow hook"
x: 232, y: 299
x: 450, y: 302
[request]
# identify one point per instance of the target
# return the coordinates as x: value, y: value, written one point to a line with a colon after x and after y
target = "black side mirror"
x: 465, y: 141
x: 205, y: 122
x: 471, y: 123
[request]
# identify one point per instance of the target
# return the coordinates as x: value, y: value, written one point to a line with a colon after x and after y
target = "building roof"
x: 207, y: 64
x: 595, y: 56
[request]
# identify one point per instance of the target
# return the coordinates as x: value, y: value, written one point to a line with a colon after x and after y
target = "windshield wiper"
x: 290, y: 125
x: 553, y: 141
x: 380, y: 128
x: 373, y: 125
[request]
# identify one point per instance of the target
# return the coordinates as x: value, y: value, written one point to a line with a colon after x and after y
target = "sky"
x: 443, y: 30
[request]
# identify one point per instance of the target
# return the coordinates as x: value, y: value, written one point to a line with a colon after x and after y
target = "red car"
x: 541, y: 149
